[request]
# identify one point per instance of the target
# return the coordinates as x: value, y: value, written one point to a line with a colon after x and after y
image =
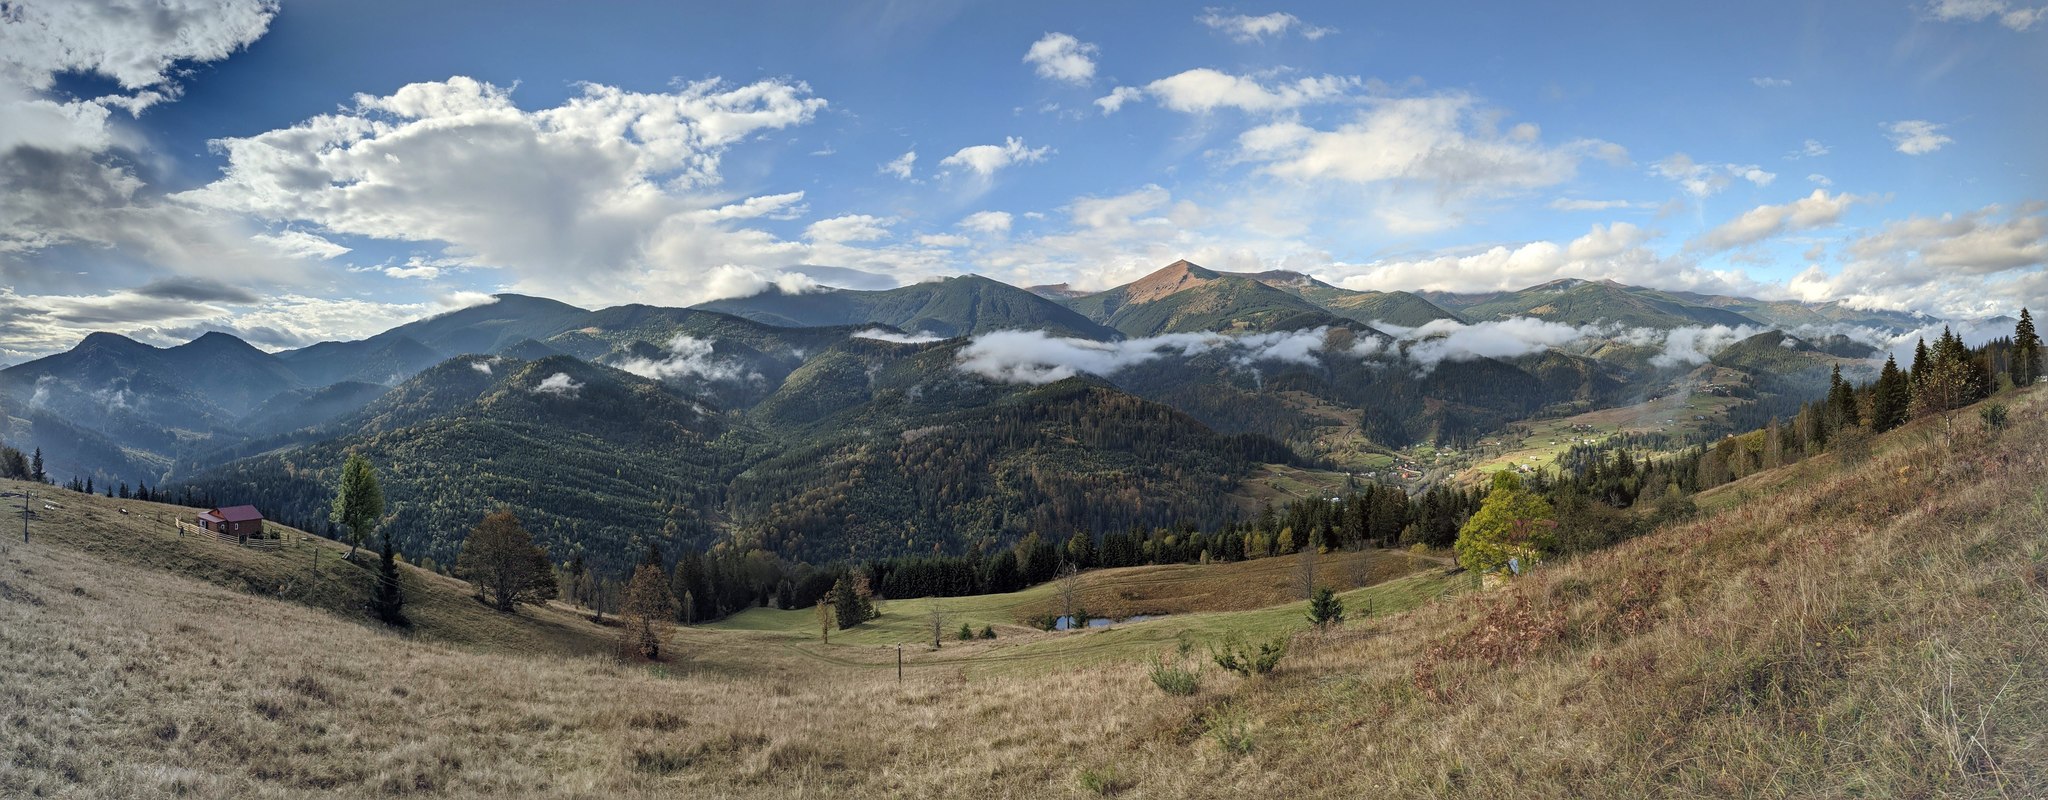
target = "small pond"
x: 1064, y: 623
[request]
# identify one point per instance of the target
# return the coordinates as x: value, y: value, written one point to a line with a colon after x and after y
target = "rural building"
x: 242, y: 522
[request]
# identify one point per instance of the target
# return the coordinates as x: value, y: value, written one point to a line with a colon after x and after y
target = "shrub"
x: 1230, y: 731
x: 1238, y: 657
x: 1995, y: 417
x: 1174, y: 678
x: 966, y: 633
x: 1105, y: 781
x: 988, y: 631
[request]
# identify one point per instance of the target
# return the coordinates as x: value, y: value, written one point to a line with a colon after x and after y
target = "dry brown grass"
x: 1874, y: 631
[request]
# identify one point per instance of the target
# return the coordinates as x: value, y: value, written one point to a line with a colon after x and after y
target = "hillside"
x: 1393, y: 308
x: 1578, y: 302
x: 959, y: 306
x: 587, y: 455
x: 1183, y: 297
x: 1875, y: 628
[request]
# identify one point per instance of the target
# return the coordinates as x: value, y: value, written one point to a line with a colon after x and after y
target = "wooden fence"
x: 251, y: 542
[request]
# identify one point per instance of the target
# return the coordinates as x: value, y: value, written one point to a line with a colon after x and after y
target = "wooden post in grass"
x: 899, y: 663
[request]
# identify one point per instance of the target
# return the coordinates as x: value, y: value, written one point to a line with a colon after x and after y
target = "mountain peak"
x: 216, y: 340
x: 1171, y: 279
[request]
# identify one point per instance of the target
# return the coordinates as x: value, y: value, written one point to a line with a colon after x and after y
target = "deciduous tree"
x: 507, y: 567
x: 1513, y: 523
x: 359, y: 502
x: 648, y: 609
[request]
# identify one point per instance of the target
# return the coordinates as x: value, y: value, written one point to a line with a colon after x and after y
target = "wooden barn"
x: 241, y: 522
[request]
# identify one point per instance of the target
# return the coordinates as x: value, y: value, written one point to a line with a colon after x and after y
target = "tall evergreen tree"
x: 1842, y: 410
x: 35, y: 468
x: 2026, y: 352
x: 387, y: 599
x: 1891, y: 400
x: 1918, y: 371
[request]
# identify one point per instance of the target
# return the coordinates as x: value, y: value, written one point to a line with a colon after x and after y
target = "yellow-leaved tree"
x: 1513, y: 523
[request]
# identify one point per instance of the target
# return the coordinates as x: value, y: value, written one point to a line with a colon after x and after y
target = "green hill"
x: 1405, y: 309
x: 1577, y: 302
x: 959, y: 306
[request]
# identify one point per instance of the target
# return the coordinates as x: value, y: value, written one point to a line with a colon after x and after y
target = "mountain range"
x: 936, y: 417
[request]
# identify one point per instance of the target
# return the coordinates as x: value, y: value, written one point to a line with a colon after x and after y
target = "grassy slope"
x: 1873, y: 630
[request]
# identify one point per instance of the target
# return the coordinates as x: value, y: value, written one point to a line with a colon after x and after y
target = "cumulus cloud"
x: 849, y: 228
x: 986, y: 160
x: 1446, y: 141
x: 559, y: 385
x: 901, y: 166
x: 1976, y: 264
x: 2014, y: 17
x: 1202, y: 90
x: 1061, y: 57
x: 1766, y: 221
x: 300, y: 244
x: 881, y: 335
x: 1703, y: 180
x: 1248, y: 28
x: 689, y: 356
x: 1038, y: 358
x: 1916, y: 136
x: 990, y: 222
x: 1617, y: 252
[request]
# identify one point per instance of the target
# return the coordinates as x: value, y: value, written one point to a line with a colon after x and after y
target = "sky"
x: 302, y: 171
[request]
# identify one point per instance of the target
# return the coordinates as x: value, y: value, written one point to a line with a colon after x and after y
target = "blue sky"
x: 322, y: 169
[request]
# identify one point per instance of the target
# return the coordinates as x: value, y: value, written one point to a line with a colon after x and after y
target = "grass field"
x: 1547, y: 439
x: 1868, y: 629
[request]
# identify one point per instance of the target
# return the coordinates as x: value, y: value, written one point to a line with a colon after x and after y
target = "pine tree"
x: 1842, y: 411
x: 35, y: 468
x: 1891, y: 399
x: 2026, y: 352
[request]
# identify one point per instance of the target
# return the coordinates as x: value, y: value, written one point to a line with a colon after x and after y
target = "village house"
x: 241, y: 522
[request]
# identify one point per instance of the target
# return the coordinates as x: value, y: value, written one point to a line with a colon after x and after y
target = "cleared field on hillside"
x: 1877, y: 628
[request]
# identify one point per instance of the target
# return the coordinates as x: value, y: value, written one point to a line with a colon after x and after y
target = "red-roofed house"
x: 241, y: 522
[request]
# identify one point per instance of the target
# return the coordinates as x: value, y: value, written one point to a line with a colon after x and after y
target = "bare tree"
x: 1067, y: 589
x: 938, y: 616
x: 824, y: 621
x: 1306, y: 574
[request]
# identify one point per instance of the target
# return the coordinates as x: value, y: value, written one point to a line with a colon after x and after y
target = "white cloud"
x: 419, y: 271
x: 300, y: 244
x: 1694, y: 345
x: 1916, y: 136
x: 1770, y: 83
x: 1062, y: 57
x: 1575, y: 204
x: 944, y: 240
x: 902, y: 165
x: 1818, y: 179
x: 1607, y: 252
x: 988, y: 222
x: 1766, y: 221
x: 987, y: 159
x: 1115, y: 100
x: 773, y: 206
x: 880, y: 335
x: 2015, y: 17
x: 559, y: 385
x: 1202, y: 90
x: 1977, y: 264
x: 689, y: 356
x: 134, y: 42
x: 1247, y: 28
x: 1811, y: 148
x: 1704, y: 180
x: 1445, y: 141
x: 482, y: 365
x: 849, y: 228
x: 1449, y: 340
x: 1037, y: 357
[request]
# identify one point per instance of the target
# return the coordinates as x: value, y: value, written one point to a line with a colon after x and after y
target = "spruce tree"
x: 2026, y: 352
x: 1325, y: 610
x: 1891, y: 399
x: 1919, y: 369
x: 387, y: 601
x: 35, y: 469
